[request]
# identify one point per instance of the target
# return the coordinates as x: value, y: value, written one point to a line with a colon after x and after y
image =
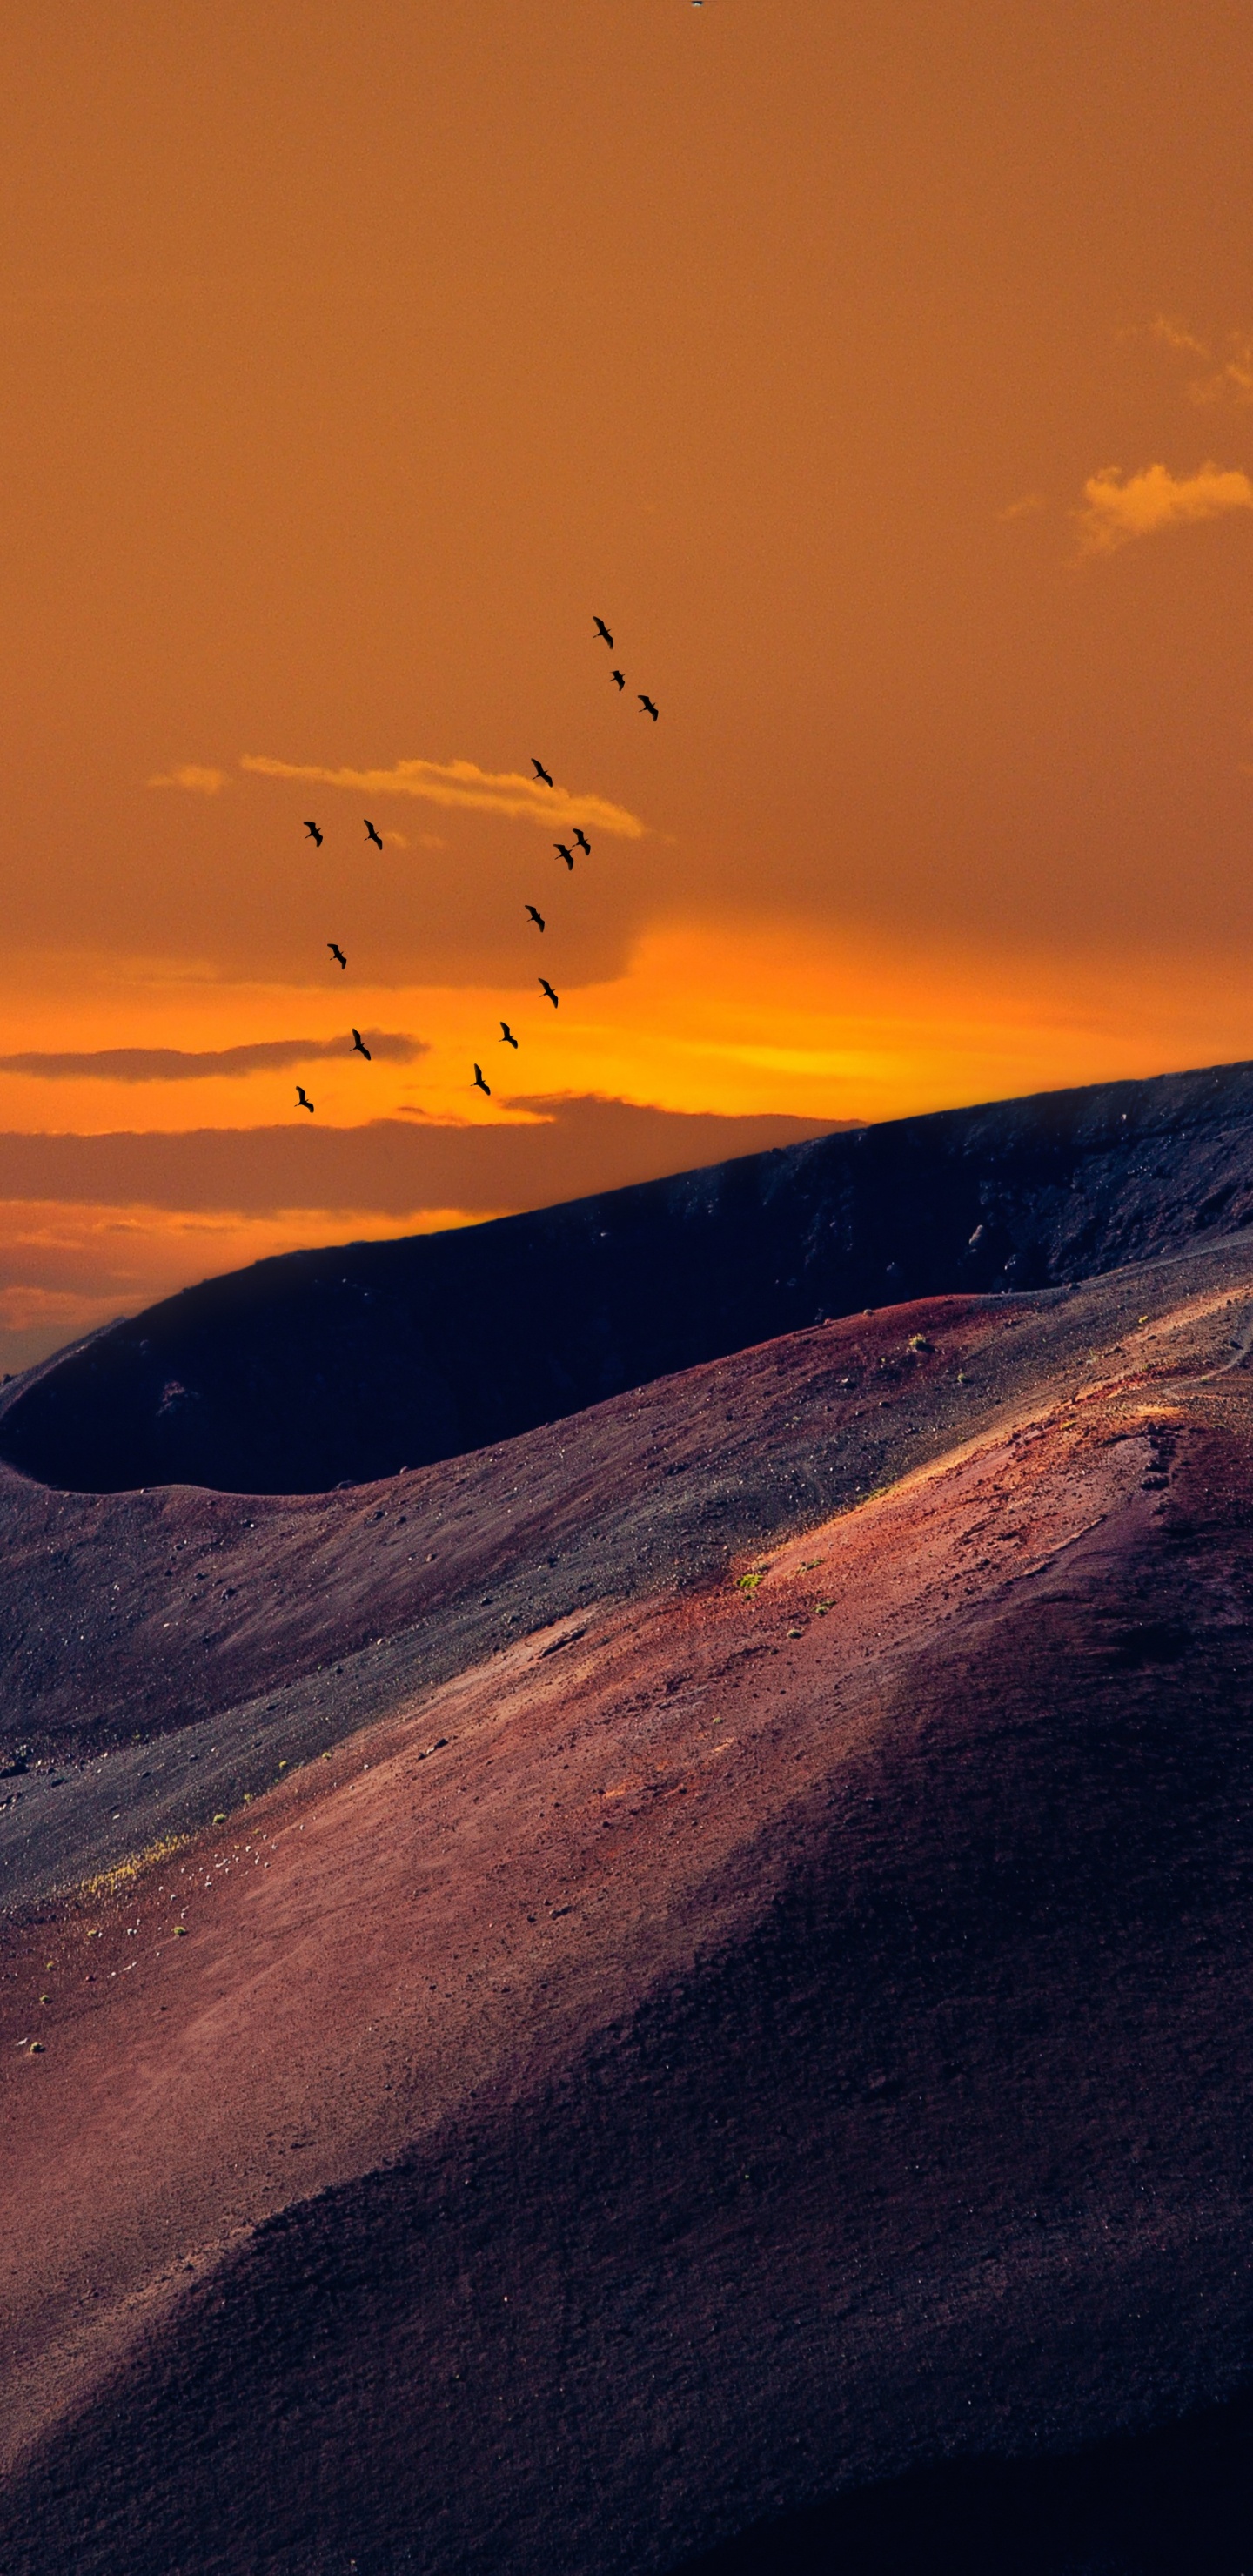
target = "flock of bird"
x: 562, y: 850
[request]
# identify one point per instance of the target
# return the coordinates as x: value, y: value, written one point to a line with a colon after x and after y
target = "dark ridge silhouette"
x: 351, y: 1362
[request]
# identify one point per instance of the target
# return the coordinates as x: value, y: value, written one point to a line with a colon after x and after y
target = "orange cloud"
x: 1114, y: 511
x: 199, y: 782
x: 1174, y: 335
x: 180, y: 1064
x: 1229, y: 379
x: 463, y: 786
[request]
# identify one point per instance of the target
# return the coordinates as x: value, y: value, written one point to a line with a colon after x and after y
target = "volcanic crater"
x: 664, y: 1987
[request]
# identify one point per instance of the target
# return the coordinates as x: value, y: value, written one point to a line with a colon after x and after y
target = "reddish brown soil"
x: 150, y: 1608
x: 727, y: 2046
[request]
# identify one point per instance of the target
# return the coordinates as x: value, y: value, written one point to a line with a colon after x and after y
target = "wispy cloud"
x: 175, y: 1064
x: 575, y: 1144
x: 198, y: 782
x: 1174, y: 335
x: 1115, y: 511
x: 1227, y: 378
x: 1231, y: 379
x: 462, y: 786
x: 1029, y: 507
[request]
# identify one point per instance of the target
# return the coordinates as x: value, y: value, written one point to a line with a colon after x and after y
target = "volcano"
x: 662, y: 1989
x: 319, y: 1367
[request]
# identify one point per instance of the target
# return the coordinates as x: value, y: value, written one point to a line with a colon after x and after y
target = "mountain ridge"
x: 311, y: 1369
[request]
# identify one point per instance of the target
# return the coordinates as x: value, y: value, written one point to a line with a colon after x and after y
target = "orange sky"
x: 883, y: 376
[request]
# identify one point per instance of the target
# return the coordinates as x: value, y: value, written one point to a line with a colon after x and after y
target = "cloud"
x: 1231, y: 380
x: 1175, y: 335
x: 572, y: 1146
x: 1028, y: 508
x: 1228, y: 379
x: 175, y: 1064
x: 463, y: 787
x: 1114, y: 512
x: 199, y: 782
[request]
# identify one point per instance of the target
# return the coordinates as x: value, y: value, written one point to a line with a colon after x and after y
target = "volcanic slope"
x: 754, y: 2036
x: 129, y: 1620
x: 351, y: 1362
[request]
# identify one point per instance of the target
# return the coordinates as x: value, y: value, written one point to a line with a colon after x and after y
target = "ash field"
x: 674, y: 1779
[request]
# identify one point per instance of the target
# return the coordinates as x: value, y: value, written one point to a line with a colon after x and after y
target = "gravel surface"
x: 166, y: 1652
x: 759, y: 2023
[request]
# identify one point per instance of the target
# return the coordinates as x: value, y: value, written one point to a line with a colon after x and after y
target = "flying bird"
x: 602, y: 629
x: 546, y: 987
x: 314, y: 834
x: 648, y: 707
x: 302, y: 1099
x: 537, y: 917
x: 540, y: 771
x: 619, y: 678
x: 564, y: 853
x: 371, y: 833
x: 337, y: 952
x: 583, y: 841
x: 506, y: 1037
x: 359, y: 1046
x: 478, y: 1083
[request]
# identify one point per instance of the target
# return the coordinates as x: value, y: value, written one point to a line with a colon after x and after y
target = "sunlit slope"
x: 722, y: 2047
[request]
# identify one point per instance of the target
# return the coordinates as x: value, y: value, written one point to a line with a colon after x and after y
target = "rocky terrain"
x: 669, y: 1994
x: 745, y: 2037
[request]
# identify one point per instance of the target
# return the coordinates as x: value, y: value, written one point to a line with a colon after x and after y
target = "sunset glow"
x: 882, y: 379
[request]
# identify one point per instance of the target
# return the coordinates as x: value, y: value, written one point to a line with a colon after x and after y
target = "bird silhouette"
x: 583, y: 841
x: 602, y: 629
x: 506, y: 1037
x: 302, y: 1099
x: 564, y: 853
x: 372, y: 834
x: 537, y: 917
x: 314, y: 834
x: 618, y: 678
x: 337, y: 952
x: 359, y: 1046
x: 478, y: 1083
x: 546, y: 987
x: 649, y: 708
x: 540, y: 771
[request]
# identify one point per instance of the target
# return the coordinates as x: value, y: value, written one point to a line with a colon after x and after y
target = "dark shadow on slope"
x: 353, y: 1362
x: 939, y: 2140
x: 1176, y: 2502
